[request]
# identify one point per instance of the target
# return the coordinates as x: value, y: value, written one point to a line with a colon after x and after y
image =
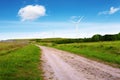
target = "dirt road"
x: 61, y: 65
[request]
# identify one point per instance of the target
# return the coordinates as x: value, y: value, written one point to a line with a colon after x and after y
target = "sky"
x: 58, y: 18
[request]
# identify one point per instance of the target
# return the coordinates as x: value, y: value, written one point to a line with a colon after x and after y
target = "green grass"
x: 107, y: 52
x: 7, y: 47
x: 21, y: 64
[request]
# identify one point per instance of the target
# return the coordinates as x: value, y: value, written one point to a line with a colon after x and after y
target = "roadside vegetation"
x: 7, y: 47
x: 19, y: 61
x: 107, y: 52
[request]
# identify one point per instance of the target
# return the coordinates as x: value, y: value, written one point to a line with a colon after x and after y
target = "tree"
x: 118, y: 36
x: 109, y: 37
x: 97, y: 37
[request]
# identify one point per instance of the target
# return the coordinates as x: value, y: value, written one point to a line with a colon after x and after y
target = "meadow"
x: 7, y: 47
x: 19, y: 61
x: 105, y: 52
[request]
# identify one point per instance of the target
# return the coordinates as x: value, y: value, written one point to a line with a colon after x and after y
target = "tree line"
x: 106, y: 37
x: 94, y: 38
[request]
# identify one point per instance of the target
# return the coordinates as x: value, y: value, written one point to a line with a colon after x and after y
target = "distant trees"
x: 98, y: 37
x: 109, y: 38
x: 118, y: 36
x: 106, y: 37
x: 94, y: 38
x: 63, y: 41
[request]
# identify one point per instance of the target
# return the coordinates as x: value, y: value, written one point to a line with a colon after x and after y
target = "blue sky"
x: 53, y: 18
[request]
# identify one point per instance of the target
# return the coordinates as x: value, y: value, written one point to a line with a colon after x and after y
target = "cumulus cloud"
x: 112, y: 10
x: 32, y: 12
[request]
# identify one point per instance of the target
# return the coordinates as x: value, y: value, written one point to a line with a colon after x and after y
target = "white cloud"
x: 112, y: 10
x: 32, y: 12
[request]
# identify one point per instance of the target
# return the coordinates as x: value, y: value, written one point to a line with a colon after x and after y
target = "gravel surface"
x: 61, y: 65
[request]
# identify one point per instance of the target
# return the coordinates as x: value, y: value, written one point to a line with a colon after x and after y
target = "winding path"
x: 61, y: 65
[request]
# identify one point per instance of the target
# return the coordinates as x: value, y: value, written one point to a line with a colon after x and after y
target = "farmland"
x: 19, y: 61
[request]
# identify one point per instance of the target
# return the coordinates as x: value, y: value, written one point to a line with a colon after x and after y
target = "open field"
x: 106, y: 52
x: 19, y: 62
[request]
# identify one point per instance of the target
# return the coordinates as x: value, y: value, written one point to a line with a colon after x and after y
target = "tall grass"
x: 22, y: 64
x: 107, y: 52
x: 7, y: 47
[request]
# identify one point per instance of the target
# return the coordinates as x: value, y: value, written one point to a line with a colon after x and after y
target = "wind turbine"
x: 53, y: 34
x: 77, y: 23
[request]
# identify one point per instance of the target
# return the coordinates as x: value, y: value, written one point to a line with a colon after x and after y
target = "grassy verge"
x: 22, y: 64
x: 106, y: 52
x: 7, y: 47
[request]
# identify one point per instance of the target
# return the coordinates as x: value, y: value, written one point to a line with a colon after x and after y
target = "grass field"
x: 107, y: 52
x: 19, y: 62
x: 7, y: 47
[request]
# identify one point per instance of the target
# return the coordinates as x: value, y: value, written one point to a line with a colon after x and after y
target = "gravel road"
x: 61, y: 65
